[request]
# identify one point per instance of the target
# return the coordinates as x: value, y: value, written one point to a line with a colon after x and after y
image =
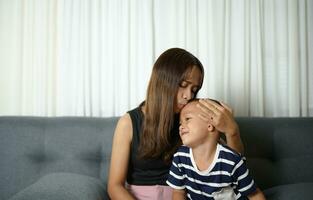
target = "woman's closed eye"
x: 194, y: 90
x: 183, y: 84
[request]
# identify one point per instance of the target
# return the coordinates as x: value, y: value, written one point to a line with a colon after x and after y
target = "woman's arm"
x: 119, y: 159
x: 221, y: 117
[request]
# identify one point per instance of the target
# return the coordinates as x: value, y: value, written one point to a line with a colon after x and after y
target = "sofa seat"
x: 290, y: 192
x: 67, y: 186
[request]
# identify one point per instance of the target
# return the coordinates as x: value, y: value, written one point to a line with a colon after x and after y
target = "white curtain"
x: 94, y: 57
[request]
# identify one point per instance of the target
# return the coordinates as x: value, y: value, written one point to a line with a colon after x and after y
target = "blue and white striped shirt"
x: 227, y: 170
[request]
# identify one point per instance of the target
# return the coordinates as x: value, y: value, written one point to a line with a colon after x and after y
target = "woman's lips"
x: 181, y: 105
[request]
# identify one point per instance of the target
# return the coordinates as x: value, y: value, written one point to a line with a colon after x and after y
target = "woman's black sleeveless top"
x: 148, y: 171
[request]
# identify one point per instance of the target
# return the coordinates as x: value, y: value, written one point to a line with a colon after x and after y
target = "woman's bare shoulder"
x: 125, y: 120
x: 124, y: 126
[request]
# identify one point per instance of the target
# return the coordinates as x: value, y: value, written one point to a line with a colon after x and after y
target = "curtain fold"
x: 94, y: 58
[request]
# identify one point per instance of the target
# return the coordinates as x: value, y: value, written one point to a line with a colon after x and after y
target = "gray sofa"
x: 68, y: 157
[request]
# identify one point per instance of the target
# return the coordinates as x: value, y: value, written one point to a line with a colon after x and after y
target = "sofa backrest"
x: 31, y: 147
x: 278, y: 150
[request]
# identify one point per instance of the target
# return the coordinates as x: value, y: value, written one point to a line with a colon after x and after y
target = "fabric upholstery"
x: 32, y: 147
x: 279, y: 150
x: 69, y: 155
x: 290, y: 192
x: 63, y: 186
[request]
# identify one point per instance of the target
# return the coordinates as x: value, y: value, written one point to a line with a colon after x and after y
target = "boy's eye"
x: 188, y: 118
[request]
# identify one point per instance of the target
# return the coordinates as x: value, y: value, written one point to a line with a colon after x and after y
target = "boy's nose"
x: 181, y: 127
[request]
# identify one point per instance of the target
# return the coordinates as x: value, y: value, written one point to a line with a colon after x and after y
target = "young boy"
x: 204, y: 169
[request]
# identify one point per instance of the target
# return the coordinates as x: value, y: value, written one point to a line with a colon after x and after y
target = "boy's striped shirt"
x: 227, y: 170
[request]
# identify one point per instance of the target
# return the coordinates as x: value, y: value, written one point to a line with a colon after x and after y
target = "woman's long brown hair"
x: 169, y: 70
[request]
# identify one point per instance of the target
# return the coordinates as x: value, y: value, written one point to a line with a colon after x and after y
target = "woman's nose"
x: 187, y: 95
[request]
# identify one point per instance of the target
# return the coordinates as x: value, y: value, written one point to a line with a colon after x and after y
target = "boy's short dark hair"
x: 197, y: 99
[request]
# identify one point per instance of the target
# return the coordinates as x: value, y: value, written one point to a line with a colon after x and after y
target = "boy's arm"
x: 245, y: 184
x: 179, y: 194
x: 257, y: 195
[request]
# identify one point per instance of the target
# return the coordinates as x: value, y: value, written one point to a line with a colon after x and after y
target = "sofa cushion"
x: 303, y: 191
x: 67, y: 186
x: 31, y: 147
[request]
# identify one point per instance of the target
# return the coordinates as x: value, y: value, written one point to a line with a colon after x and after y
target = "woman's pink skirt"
x: 151, y: 192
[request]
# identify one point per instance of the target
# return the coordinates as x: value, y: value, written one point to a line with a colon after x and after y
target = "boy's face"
x: 192, y: 130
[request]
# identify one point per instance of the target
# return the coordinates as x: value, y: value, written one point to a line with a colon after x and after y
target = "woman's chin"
x: 179, y: 108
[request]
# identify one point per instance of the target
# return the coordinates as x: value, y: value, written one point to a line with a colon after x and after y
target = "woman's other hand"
x: 221, y: 117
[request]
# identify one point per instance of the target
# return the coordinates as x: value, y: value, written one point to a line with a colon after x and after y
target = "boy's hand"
x: 179, y: 194
x: 258, y: 195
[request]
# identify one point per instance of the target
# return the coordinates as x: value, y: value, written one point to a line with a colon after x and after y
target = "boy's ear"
x: 210, y: 127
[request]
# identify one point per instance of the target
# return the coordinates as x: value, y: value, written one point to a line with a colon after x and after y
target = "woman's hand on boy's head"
x: 220, y: 116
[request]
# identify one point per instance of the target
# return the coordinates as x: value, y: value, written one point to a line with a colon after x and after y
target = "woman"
x: 146, y: 138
